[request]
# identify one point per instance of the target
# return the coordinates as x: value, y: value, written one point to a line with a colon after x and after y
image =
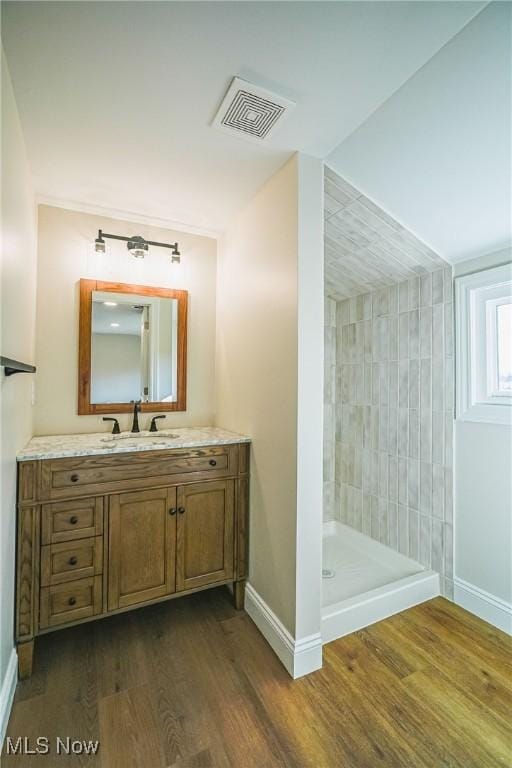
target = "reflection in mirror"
x: 133, y: 348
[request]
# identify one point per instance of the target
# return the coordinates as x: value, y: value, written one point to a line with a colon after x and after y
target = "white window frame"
x: 477, y: 297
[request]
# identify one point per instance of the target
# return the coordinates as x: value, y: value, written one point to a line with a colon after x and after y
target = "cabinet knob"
x: 181, y: 510
x: 73, y: 560
x: 213, y: 463
x: 75, y: 478
x: 172, y: 511
x: 73, y: 520
x: 72, y: 600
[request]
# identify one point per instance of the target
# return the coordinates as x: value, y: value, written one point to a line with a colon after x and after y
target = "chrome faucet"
x: 136, y: 411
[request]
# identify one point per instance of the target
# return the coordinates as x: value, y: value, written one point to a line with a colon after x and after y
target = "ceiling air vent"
x: 250, y: 111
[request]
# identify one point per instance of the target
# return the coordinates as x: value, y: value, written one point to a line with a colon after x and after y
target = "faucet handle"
x: 115, y: 428
x: 153, y: 427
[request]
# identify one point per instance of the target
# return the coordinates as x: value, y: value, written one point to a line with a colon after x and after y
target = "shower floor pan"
x: 365, y: 581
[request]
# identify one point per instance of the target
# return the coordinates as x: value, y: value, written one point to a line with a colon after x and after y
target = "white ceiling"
x: 437, y: 155
x: 127, y: 318
x: 116, y: 98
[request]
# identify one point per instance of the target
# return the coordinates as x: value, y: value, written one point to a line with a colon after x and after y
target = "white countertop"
x: 103, y: 443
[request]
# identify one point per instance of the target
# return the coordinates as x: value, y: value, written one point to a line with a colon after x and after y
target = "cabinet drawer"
x: 74, y: 600
x: 83, y: 475
x: 69, y: 520
x: 71, y: 560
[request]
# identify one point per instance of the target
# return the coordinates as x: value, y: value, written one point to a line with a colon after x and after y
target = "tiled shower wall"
x: 393, y: 408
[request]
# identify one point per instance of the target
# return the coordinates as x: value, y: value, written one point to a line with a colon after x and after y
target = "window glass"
x: 504, y: 346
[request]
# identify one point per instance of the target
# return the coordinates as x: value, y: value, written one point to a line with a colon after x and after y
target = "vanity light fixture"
x: 110, y: 303
x: 137, y: 245
x: 99, y: 243
x: 114, y: 325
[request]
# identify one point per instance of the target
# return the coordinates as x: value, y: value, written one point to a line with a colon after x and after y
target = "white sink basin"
x: 135, y: 438
x: 138, y: 443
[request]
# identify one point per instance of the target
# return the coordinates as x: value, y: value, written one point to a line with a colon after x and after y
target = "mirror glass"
x: 134, y: 351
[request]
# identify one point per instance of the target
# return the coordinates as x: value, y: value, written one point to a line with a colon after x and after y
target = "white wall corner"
x: 488, y: 607
x: 299, y: 657
x: 310, y: 341
x: 7, y: 693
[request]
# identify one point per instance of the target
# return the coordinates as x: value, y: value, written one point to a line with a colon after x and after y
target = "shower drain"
x: 328, y: 573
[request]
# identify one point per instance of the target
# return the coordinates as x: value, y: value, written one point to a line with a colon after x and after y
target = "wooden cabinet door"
x: 205, y: 534
x: 142, y: 546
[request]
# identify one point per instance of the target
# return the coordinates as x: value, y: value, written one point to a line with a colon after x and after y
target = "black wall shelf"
x: 14, y: 366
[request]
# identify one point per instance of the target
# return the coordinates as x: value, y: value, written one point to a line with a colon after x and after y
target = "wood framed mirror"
x: 132, y: 346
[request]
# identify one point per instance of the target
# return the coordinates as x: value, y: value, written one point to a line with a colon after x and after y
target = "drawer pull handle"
x: 75, y: 478
x: 181, y: 510
x: 172, y: 511
x: 73, y: 520
x: 72, y: 600
x: 213, y: 463
x: 73, y: 560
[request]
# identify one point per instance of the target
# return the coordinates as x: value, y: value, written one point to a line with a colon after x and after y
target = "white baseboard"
x: 7, y: 693
x: 488, y: 607
x: 299, y: 657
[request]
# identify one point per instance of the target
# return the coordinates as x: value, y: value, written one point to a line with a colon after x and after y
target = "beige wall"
x: 256, y: 380
x: 116, y: 368
x: 66, y: 254
x: 18, y: 291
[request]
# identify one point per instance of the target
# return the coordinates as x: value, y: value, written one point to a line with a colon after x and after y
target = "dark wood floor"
x: 192, y: 684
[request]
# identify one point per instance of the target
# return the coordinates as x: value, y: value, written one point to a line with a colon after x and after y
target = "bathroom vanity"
x: 108, y: 523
